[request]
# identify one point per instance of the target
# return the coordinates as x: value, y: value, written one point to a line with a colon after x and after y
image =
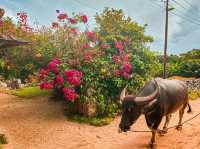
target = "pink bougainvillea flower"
x: 73, y: 30
x: 59, y: 80
x: 43, y: 73
x: 55, y: 24
x: 119, y: 46
x: 55, y: 70
x: 105, y: 46
x: 127, y: 67
x: 72, y: 20
x: 69, y: 94
x: 65, y: 26
x: 84, y: 18
x: 46, y: 85
x: 56, y: 61
x: 125, y: 58
x: 117, y: 73
x: 126, y: 75
x: 52, y: 65
x: 73, y: 76
x: 86, y: 46
x: 62, y: 16
x: 116, y: 59
x: 91, y: 36
x: 87, y: 56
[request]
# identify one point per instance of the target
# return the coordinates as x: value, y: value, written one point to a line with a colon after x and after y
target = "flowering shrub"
x: 92, y: 68
x: 54, y: 77
x: 84, y: 65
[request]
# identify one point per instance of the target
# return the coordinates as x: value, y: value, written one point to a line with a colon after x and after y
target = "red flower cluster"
x: 73, y: 76
x: 69, y: 94
x: 86, y: 46
x: 119, y: 46
x: 72, y: 20
x: 46, y: 85
x: 87, y: 56
x: 56, y: 80
x: 23, y: 21
x: 62, y: 16
x: 22, y: 18
x: 116, y: 59
x: 91, y: 36
x: 43, y: 73
x: 55, y: 25
x: 73, y: 30
x: 56, y: 61
x: 126, y: 70
x: 127, y: 67
x: 117, y: 73
x: 105, y: 46
x: 53, y: 65
x: 125, y: 58
x: 122, y: 59
x: 84, y: 18
x: 59, y: 80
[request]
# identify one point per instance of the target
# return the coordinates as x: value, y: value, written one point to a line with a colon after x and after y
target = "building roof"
x: 7, y: 41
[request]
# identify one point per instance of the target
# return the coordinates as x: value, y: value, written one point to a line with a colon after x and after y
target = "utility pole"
x: 166, y: 40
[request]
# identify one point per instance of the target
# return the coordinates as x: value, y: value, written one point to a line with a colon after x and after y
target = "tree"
x: 113, y: 25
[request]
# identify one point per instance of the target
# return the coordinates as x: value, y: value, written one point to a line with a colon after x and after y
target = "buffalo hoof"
x: 3, y: 139
x: 152, y: 145
x: 179, y: 127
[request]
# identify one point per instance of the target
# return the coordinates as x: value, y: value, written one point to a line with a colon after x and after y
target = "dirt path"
x: 40, y: 124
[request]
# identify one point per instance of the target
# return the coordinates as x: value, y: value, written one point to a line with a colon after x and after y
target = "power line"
x: 189, y: 17
x: 185, y: 18
x: 178, y: 15
x: 183, y: 7
x: 189, y: 4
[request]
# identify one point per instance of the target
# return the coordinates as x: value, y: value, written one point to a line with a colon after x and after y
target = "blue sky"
x: 183, y: 35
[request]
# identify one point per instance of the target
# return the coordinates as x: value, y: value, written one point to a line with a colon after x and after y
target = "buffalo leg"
x: 164, y: 130
x: 181, y: 112
x: 154, y: 131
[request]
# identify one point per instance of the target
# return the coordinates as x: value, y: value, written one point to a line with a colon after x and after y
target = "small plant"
x: 30, y: 92
x: 194, y: 94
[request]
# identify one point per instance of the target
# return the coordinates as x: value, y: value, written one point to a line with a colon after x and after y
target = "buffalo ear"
x: 149, y: 107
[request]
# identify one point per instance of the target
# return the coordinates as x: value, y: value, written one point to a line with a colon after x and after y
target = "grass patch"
x: 95, y: 121
x: 29, y: 92
x: 194, y: 94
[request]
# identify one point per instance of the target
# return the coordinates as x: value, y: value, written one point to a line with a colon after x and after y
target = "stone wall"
x: 193, y: 84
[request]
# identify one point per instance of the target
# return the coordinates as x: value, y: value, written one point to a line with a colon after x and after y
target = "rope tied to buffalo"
x: 174, y: 126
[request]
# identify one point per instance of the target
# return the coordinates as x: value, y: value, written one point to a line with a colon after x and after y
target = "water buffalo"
x: 158, y: 98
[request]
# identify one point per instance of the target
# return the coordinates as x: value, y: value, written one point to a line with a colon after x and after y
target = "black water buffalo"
x: 158, y: 98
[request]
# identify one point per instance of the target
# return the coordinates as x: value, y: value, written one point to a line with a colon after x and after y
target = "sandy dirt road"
x: 40, y: 124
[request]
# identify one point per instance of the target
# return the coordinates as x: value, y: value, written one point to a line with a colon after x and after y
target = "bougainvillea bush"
x: 96, y: 65
x: 82, y: 65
